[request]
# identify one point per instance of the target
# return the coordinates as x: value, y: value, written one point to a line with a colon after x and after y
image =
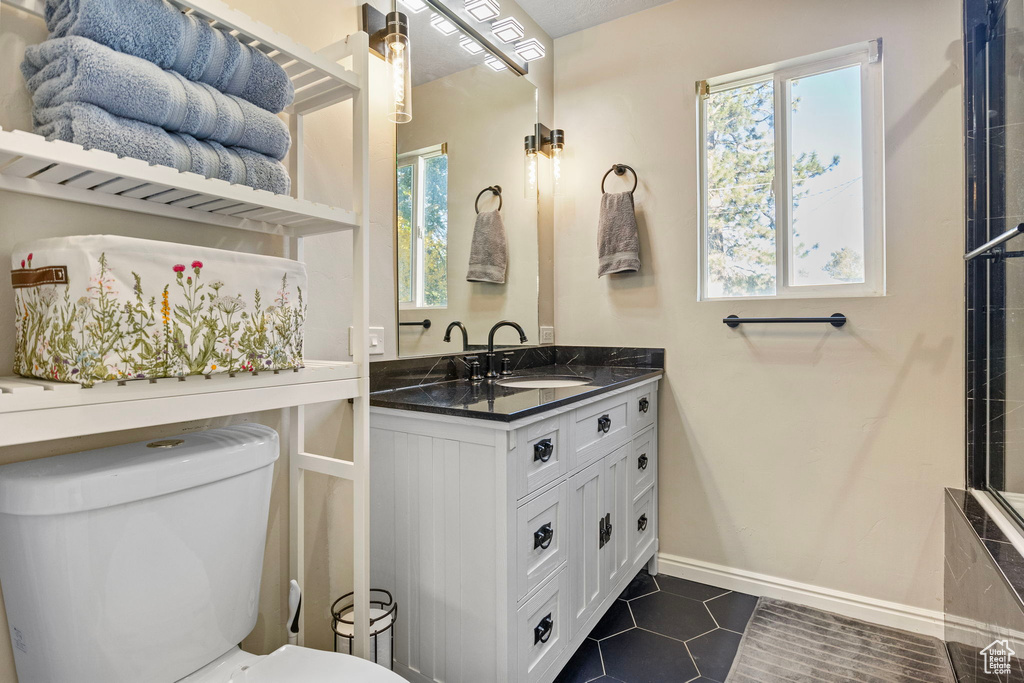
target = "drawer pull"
x: 542, y: 631
x: 641, y: 524
x: 641, y: 462
x: 543, y: 536
x: 543, y: 450
x: 645, y: 405
x: 604, y: 530
x: 604, y: 424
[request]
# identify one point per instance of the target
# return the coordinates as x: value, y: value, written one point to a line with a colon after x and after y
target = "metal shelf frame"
x: 33, y: 410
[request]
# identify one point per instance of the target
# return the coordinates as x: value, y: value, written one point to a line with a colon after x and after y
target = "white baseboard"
x: 882, y: 612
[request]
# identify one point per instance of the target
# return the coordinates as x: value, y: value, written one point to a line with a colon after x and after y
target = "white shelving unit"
x: 36, y: 410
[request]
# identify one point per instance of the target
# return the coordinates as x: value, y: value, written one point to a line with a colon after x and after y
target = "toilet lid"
x: 292, y: 664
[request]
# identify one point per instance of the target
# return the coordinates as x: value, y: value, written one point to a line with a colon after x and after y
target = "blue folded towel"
x: 158, y: 32
x: 93, y: 128
x: 79, y: 70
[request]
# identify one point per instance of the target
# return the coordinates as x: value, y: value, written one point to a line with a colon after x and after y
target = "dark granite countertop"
x: 490, y: 401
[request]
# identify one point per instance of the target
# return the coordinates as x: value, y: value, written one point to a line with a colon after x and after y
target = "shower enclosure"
x: 994, y: 89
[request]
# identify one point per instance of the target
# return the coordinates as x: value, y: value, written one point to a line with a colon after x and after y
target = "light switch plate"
x: 376, y: 341
x: 547, y: 335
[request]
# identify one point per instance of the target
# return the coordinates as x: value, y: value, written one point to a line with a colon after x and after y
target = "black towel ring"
x: 496, y: 189
x: 620, y: 169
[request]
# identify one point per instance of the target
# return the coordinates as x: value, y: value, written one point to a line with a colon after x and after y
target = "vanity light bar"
x: 414, y: 6
x: 483, y: 10
x: 444, y: 26
x: 530, y: 50
x: 470, y: 45
x: 495, y: 64
x: 508, y: 30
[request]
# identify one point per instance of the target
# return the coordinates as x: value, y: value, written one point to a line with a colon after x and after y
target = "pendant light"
x: 531, y: 170
x: 397, y: 52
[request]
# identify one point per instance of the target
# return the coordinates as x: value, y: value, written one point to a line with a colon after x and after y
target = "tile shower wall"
x: 981, y: 604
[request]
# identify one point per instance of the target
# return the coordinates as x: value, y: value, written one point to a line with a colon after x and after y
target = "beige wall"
x: 814, y: 455
x: 328, y: 153
x: 482, y: 116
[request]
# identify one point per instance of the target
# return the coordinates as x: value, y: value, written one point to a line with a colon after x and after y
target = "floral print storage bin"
x: 101, y: 308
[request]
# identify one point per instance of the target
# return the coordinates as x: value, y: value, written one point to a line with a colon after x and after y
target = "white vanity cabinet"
x: 505, y: 543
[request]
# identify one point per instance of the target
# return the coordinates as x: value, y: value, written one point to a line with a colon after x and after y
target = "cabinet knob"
x: 645, y: 405
x: 543, y: 536
x: 542, y: 631
x: 641, y: 462
x: 543, y: 450
x: 604, y: 424
x: 641, y: 524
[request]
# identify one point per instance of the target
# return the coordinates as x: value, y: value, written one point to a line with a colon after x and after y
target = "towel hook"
x: 620, y: 170
x: 496, y: 189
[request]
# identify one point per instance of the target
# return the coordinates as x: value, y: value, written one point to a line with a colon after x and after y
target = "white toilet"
x: 141, y: 564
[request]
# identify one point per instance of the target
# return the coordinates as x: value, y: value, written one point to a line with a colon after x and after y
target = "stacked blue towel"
x: 140, y: 79
x: 76, y: 69
x: 158, y: 32
x: 93, y: 128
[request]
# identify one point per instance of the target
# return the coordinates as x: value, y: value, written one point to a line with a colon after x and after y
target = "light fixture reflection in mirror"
x: 530, y: 177
x: 398, y: 55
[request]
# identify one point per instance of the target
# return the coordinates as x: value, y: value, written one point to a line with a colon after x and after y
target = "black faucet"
x: 491, y: 372
x: 465, y: 334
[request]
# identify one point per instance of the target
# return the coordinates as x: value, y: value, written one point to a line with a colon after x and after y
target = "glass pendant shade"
x: 556, y: 170
x: 531, y: 168
x: 398, y: 53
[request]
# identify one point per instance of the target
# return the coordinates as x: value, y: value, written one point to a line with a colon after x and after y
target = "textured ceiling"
x: 562, y: 17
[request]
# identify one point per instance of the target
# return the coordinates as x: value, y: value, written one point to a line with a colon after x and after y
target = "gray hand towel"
x: 159, y: 32
x: 76, y: 69
x: 488, y: 255
x: 618, y: 240
x: 93, y: 128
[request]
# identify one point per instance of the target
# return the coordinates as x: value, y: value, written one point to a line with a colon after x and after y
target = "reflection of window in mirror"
x: 423, y: 228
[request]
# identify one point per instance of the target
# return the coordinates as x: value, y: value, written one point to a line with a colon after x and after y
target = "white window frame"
x: 417, y: 160
x: 869, y: 56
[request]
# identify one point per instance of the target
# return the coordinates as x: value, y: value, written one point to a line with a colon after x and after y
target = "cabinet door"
x: 618, y: 507
x: 586, y: 520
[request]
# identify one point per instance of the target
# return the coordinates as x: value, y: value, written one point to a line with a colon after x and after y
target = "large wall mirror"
x: 466, y: 134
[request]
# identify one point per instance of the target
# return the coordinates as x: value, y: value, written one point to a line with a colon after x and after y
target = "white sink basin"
x: 544, y: 382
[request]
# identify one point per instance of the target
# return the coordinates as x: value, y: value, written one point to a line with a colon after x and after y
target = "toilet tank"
x: 138, y: 563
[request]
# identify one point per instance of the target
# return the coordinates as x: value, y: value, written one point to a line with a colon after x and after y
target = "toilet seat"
x: 291, y: 664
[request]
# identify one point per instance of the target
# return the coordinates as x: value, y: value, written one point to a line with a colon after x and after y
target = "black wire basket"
x: 383, y: 614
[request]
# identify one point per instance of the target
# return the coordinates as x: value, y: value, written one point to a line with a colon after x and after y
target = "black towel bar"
x: 835, y: 320
x: 425, y: 324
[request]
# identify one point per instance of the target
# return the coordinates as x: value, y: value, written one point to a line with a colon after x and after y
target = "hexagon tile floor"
x: 663, y: 630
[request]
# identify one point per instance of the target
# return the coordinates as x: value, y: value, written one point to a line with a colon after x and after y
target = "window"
x: 423, y: 228
x: 791, y: 173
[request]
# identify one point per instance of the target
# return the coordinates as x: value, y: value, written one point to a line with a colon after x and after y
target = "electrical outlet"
x: 376, y: 341
x: 547, y: 335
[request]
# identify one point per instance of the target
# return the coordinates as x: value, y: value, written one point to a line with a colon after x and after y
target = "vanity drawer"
x: 541, y: 539
x: 542, y: 453
x: 600, y: 428
x: 542, y: 629
x: 642, y: 526
x: 644, y: 407
x: 643, y: 468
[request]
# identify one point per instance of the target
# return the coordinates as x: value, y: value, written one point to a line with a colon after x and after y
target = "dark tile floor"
x: 663, y: 630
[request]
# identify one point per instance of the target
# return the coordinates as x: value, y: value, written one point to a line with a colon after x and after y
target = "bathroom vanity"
x: 507, y: 520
